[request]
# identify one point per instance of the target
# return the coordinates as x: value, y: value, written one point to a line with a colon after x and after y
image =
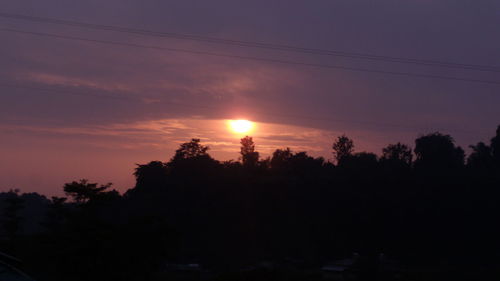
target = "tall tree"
x: 343, y: 147
x: 249, y: 156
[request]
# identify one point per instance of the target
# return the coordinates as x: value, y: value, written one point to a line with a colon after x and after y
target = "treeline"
x: 429, y: 204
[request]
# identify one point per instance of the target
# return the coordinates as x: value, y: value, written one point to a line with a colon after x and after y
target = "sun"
x: 241, y: 126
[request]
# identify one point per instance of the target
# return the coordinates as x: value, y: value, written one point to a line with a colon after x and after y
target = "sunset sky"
x: 73, y: 109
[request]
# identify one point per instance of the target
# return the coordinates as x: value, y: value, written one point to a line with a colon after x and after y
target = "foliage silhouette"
x: 190, y: 150
x: 277, y: 218
x: 495, y: 147
x: 152, y: 175
x: 438, y: 152
x: 397, y: 154
x: 84, y: 192
x: 11, y: 214
x: 481, y: 157
x: 249, y: 157
x: 343, y: 147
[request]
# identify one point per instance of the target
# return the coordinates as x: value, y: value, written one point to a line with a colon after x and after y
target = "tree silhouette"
x: 281, y: 158
x: 249, y: 156
x: 495, y: 147
x: 301, y: 163
x: 56, y: 214
x: 293, y: 210
x: 481, y: 157
x: 343, y: 147
x: 192, y: 149
x: 191, y: 158
x: 84, y: 192
x: 361, y: 161
x: 151, y: 175
x: 11, y: 214
x: 285, y: 160
x: 397, y: 154
x: 438, y: 151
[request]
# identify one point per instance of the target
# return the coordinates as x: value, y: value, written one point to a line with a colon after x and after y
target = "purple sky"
x: 48, y: 138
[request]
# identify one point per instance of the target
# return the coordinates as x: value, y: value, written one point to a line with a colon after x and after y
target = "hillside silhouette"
x: 421, y: 212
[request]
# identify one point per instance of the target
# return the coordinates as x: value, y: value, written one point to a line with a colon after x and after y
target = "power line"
x: 262, y: 45
x: 338, y: 67
x: 293, y: 116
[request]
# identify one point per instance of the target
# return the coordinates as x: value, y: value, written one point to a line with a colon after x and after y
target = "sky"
x: 73, y: 109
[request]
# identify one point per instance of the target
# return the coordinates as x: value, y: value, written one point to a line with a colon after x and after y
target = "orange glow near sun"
x: 241, y: 126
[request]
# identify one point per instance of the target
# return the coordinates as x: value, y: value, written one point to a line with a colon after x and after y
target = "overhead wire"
x: 270, y: 60
x: 253, y: 44
x: 240, y: 43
